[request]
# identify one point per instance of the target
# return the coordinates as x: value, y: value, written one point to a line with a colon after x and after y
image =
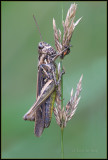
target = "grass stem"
x: 62, y: 147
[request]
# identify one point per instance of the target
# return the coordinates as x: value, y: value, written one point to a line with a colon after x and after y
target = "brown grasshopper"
x: 47, y: 82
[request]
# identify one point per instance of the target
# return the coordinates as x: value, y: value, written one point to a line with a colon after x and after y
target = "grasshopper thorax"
x: 46, y: 50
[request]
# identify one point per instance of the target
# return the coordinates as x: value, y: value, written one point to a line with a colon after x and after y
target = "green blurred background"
x: 85, y: 134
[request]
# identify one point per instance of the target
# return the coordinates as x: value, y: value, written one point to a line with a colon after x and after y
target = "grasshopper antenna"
x: 37, y: 27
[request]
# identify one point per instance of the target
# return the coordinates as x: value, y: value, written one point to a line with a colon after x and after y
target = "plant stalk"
x: 62, y: 147
x: 61, y: 67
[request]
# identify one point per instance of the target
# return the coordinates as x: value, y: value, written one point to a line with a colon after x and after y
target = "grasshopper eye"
x: 40, y: 46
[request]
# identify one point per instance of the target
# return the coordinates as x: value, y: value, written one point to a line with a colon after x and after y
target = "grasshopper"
x: 47, y: 82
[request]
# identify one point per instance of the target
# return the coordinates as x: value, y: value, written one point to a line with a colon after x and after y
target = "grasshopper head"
x: 46, y: 49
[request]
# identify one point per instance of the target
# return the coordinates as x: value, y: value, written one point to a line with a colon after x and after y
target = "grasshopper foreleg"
x: 43, y: 67
x: 49, y: 71
x: 62, y: 72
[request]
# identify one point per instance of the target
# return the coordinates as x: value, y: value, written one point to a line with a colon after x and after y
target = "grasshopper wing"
x: 38, y: 108
x: 44, y: 94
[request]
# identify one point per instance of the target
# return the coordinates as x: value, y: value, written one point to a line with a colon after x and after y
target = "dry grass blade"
x: 64, y: 115
x: 68, y: 26
x: 57, y: 37
x: 74, y: 100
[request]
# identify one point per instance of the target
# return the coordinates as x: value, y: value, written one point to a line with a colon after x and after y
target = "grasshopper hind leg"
x: 47, y: 113
x: 39, y: 120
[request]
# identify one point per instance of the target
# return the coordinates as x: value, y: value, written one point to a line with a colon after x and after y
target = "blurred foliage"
x: 85, y: 134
